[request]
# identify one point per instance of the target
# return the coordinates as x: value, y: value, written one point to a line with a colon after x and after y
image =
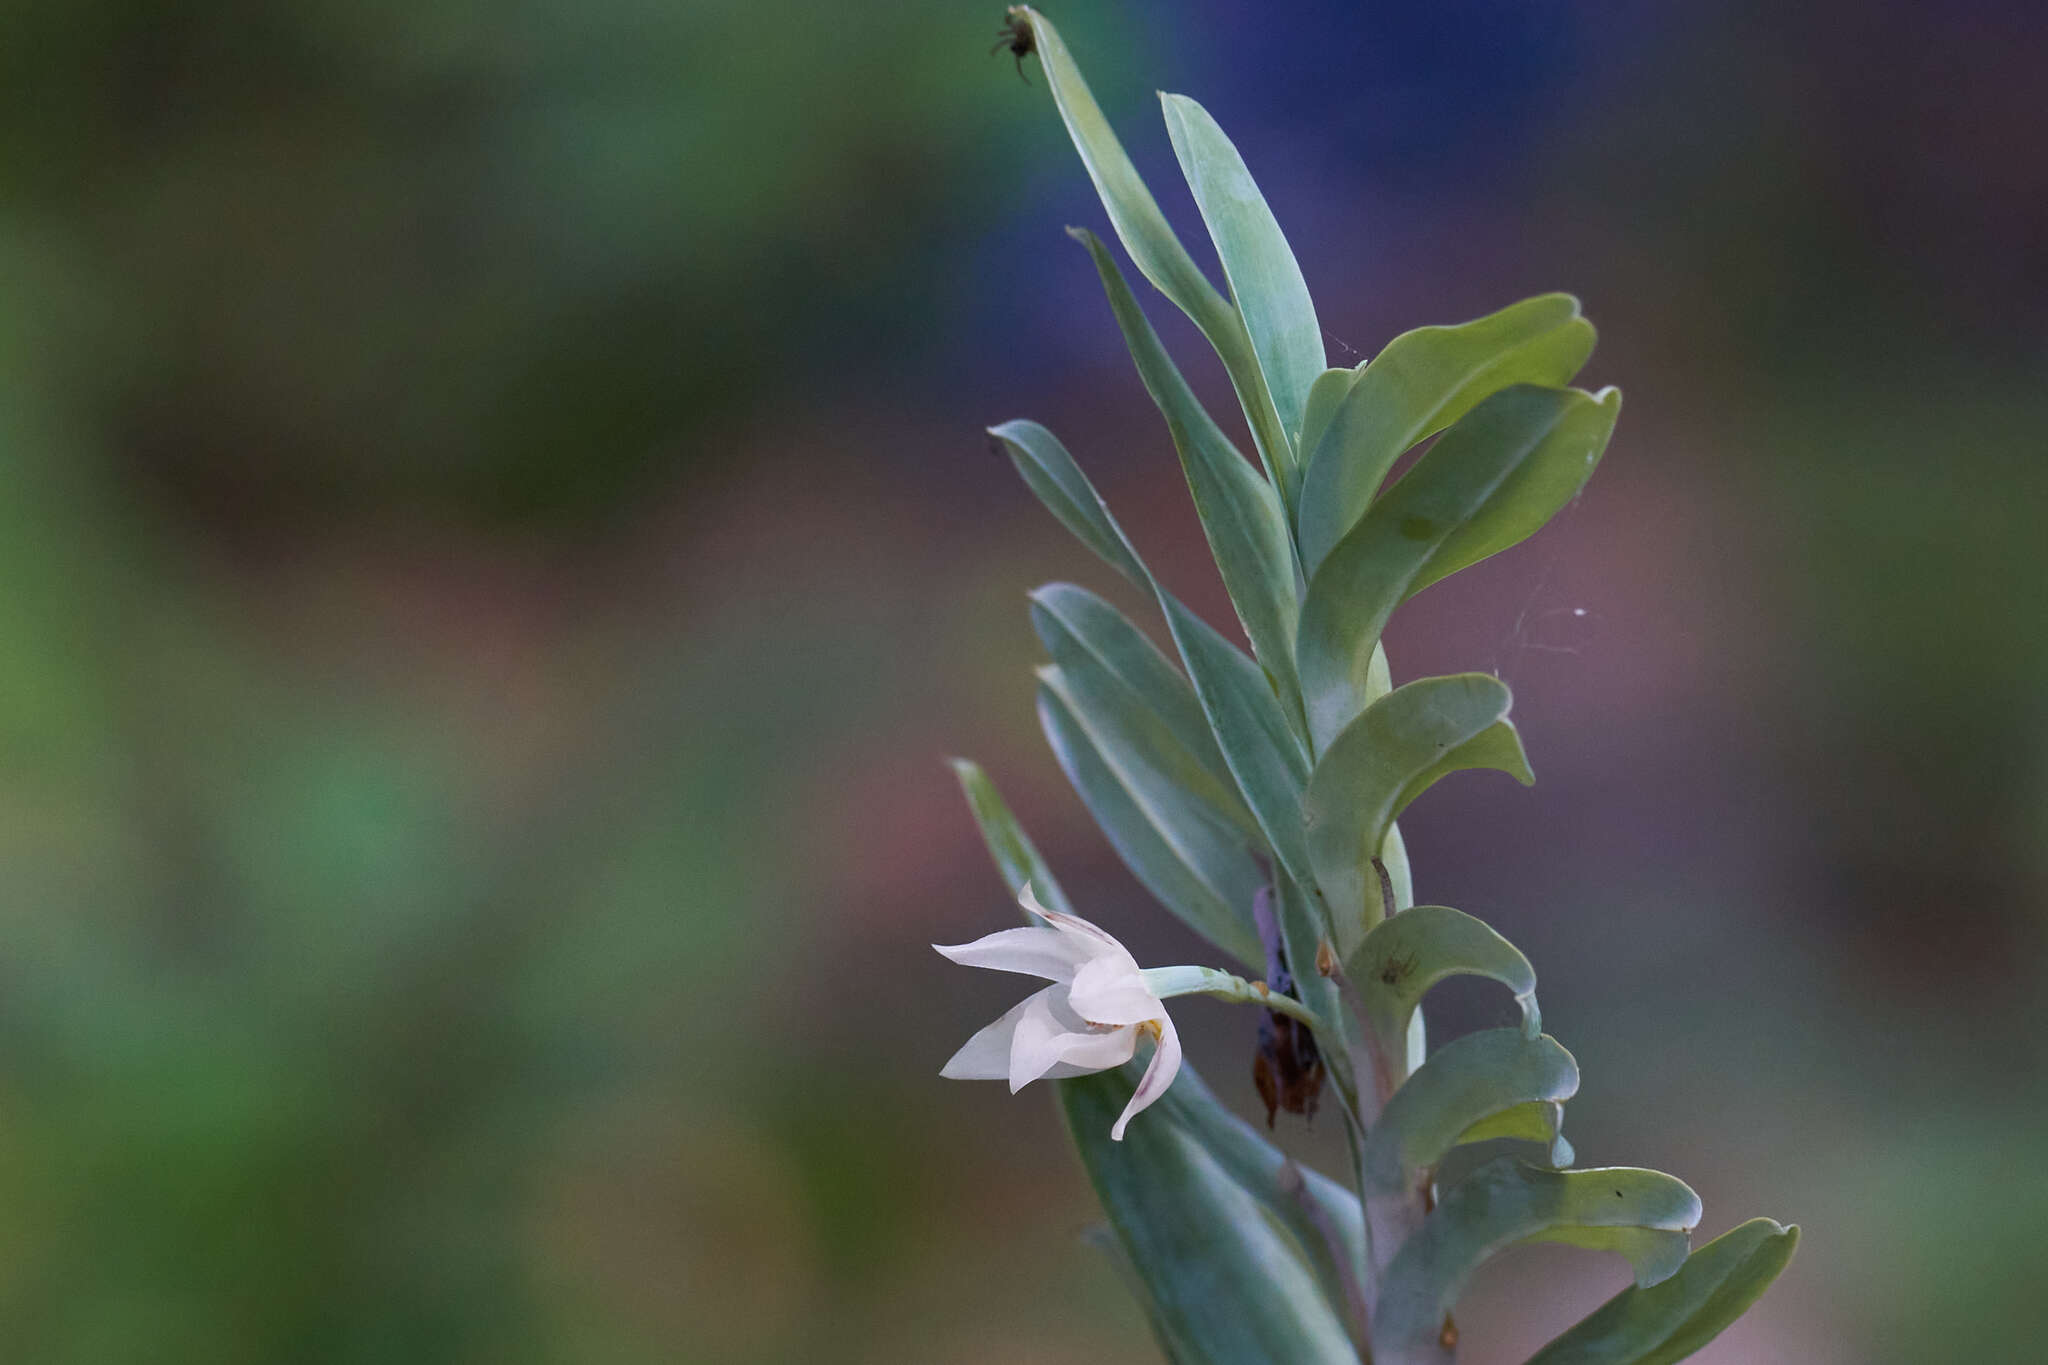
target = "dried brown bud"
x: 1288, y: 1067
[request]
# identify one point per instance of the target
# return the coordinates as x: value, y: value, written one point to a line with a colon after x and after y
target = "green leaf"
x: 1235, y: 1276
x: 1487, y: 479
x: 1645, y: 1215
x: 1469, y: 1081
x: 1325, y: 396
x: 1187, y: 855
x: 1256, y: 1163
x: 1404, y: 956
x: 1240, y: 513
x: 1383, y: 760
x: 1264, y: 278
x: 1133, y: 212
x: 1016, y: 857
x: 1265, y: 756
x: 1421, y: 383
x: 1670, y: 1321
x: 1537, y: 1121
x: 1154, y: 248
x: 1059, y: 483
x: 1535, y: 492
x: 1085, y: 634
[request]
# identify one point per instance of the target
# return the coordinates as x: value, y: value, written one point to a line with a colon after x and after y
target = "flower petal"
x: 1158, y: 1076
x: 986, y: 1056
x: 1097, y: 940
x: 1109, y: 990
x: 1049, y: 1035
x: 1034, y: 1046
x: 1046, y: 953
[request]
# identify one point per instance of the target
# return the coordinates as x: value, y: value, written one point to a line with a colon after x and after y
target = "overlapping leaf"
x: 1087, y: 637
x: 1493, y: 478
x: 1187, y: 855
x: 1421, y: 383
x: 1393, y: 752
x: 1265, y: 756
x: 1265, y: 280
x: 1154, y: 248
x: 1644, y: 1215
x: 1669, y: 1321
x: 1467, y: 1083
x: 1240, y: 512
x: 1404, y: 956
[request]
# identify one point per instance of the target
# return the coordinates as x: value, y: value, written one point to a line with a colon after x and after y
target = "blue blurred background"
x: 496, y: 539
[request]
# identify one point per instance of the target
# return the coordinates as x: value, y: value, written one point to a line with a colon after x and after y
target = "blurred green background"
x: 495, y: 541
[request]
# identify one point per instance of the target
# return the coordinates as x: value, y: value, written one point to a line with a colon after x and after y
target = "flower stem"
x: 1167, y: 982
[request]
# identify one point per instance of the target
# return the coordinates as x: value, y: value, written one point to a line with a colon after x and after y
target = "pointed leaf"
x: 1479, y: 482
x: 1240, y: 512
x: 1154, y: 248
x: 1265, y: 280
x: 1234, y: 1275
x: 1535, y: 492
x: 1052, y: 474
x: 1646, y: 1215
x: 1470, y: 1080
x: 1670, y: 1321
x: 1133, y: 212
x: 1264, y: 755
x: 1016, y: 857
x: 1085, y: 634
x: 1421, y: 383
x: 1189, y: 857
x: 1383, y: 760
x: 1325, y: 396
x: 1404, y: 956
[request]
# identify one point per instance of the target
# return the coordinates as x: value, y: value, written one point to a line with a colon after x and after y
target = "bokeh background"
x: 496, y: 540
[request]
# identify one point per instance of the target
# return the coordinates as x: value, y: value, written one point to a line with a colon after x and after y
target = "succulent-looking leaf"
x: 1264, y: 754
x: 1537, y: 1121
x: 1265, y: 280
x: 1016, y: 857
x: 1240, y: 512
x: 1154, y: 249
x: 1193, y: 860
x: 1325, y: 396
x: 1256, y: 1163
x: 1490, y: 480
x: 1051, y: 473
x: 1421, y: 383
x: 1398, y: 746
x: 1470, y: 1080
x: 1404, y: 956
x: 1670, y: 1321
x: 1233, y: 1278
x: 1645, y: 1215
x: 1083, y: 632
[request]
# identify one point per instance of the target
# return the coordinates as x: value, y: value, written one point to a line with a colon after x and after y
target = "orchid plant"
x: 1256, y: 797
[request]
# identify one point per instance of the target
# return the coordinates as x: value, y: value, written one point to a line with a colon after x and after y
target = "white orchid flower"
x: 1087, y: 1020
